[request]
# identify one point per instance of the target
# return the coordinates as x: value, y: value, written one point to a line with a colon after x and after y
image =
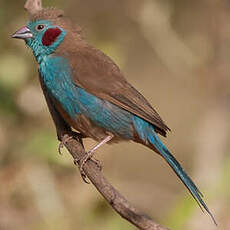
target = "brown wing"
x: 98, y: 75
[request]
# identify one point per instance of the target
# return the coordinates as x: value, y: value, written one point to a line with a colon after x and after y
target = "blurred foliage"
x: 177, y: 54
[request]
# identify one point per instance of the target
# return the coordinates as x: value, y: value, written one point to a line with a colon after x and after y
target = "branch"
x: 113, y: 197
x: 93, y: 172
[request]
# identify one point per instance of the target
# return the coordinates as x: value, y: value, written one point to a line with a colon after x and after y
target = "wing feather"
x: 99, y: 75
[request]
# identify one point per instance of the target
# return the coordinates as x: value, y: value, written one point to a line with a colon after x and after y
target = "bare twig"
x: 91, y: 169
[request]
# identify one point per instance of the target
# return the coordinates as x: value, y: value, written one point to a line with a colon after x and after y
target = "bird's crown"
x: 51, y: 13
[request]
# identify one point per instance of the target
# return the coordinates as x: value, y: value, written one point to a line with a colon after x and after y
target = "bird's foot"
x: 81, y: 163
x: 88, y: 156
x: 83, y: 175
x: 97, y: 162
x: 66, y: 138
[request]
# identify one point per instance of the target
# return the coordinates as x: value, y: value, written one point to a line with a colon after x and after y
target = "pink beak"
x: 23, y: 33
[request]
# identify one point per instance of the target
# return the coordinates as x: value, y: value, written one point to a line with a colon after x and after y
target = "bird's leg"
x: 89, y: 154
x: 66, y: 138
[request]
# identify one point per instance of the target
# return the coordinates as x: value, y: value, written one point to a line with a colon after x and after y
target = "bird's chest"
x: 76, y: 106
x: 56, y: 75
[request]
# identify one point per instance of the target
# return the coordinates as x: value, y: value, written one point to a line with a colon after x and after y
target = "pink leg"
x: 90, y: 153
x: 108, y: 138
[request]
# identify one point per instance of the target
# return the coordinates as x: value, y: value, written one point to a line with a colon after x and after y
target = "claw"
x: 85, y: 159
x: 81, y: 162
x: 83, y: 175
x: 97, y: 162
x: 63, y: 142
x: 90, y: 153
x: 60, y: 146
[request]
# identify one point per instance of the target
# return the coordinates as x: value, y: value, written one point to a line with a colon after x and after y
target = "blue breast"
x: 56, y: 74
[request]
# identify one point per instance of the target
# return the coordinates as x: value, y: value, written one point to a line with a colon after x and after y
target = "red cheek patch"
x: 50, y: 36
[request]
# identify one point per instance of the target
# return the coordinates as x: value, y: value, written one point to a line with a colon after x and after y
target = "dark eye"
x: 39, y: 27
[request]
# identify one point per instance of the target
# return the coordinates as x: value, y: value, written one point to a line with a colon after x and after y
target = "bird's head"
x: 45, y: 31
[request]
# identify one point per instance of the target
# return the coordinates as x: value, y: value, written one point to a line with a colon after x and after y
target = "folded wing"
x: 98, y: 75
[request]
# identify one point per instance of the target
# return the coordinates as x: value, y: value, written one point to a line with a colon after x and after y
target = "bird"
x: 89, y: 93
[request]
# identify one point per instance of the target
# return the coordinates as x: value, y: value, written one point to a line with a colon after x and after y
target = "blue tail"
x: 147, y: 133
x: 171, y: 160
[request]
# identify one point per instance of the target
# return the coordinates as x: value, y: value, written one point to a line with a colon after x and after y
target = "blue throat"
x: 41, y: 51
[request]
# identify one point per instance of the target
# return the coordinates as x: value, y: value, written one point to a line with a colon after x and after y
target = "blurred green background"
x: 177, y: 54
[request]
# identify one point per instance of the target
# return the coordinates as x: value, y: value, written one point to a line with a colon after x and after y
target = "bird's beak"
x: 23, y: 33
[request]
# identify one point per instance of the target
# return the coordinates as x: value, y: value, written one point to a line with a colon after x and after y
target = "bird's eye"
x: 39, y: 27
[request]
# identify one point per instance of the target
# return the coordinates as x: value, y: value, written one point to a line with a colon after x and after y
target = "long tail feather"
x: 171, y: 160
